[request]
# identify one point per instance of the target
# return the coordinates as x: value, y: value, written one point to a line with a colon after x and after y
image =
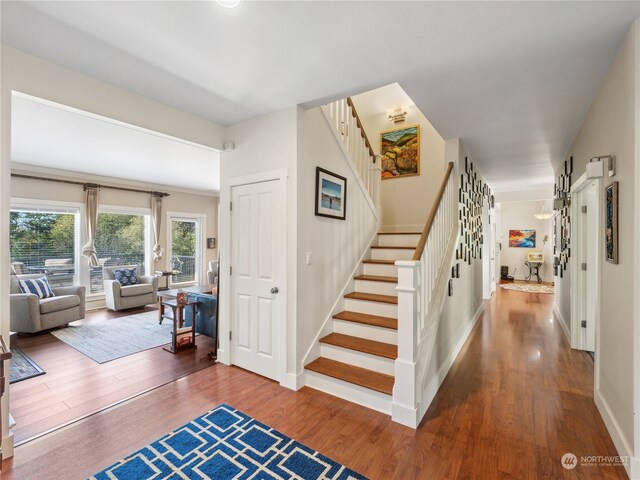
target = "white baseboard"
x: 622, y: 446
x: 562, y: 322
x: 293, y: 381
x: 432, y: 389
x: 7, y: 446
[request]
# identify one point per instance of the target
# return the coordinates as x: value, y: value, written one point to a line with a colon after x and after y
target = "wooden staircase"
x: 357, y: 360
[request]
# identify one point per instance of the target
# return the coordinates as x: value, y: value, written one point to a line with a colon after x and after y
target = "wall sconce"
x: 397, y: 115
x: 610, y: 165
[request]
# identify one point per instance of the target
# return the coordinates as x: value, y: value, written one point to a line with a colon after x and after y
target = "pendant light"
x: 543, y: 215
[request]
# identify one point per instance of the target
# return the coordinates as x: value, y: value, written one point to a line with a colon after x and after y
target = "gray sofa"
x: 119, y: 297
x: 212, y: 273
x: 29, y: 314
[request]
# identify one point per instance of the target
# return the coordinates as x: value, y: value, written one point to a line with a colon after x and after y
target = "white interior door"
x: 591, y: 257
x: 256, y: 257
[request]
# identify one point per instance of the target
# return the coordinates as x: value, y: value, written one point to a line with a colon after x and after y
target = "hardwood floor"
x: 75, y: 386
x: 516, y: 399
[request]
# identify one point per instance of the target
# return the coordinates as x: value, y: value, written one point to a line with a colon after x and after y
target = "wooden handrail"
x: 367, y: 143
x: 432, y: 214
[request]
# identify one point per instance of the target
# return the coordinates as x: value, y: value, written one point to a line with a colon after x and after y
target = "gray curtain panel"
x: 156, y: 220
x: 91, y: 217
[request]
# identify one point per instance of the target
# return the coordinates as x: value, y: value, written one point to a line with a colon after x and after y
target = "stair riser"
x: 391, y: 254
x: 398, y: 240
x: 384, y: 270
x: 369, y: 332
x: 381, y: 288
x: 348, y: 391
x: 358, y: 359
x: 372, y: 308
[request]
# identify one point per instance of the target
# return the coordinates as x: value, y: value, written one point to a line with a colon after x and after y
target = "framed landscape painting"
x: 611, y: 222
x: 331, y: 194
x: 400, y: 150
x: 522, y: 238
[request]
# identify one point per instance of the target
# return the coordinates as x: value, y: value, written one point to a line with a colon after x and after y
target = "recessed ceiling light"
x: 228, y: 3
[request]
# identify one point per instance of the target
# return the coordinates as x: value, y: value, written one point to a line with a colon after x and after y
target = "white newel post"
x: 405, y: 404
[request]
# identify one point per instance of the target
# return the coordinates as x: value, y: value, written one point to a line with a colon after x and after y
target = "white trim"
x: 224, y: 321
x: 94, y: 116
x: 401, y: 228
x: 623, y: 448
x: 562, y: 322
x: 293, y: 381
x: 201, y: 228
x: 577, y: 339
x: 432, y: 389
x: 635, y: 468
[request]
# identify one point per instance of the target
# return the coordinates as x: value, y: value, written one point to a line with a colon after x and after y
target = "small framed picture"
x: 211, y: 242
x: 450, y: 288
x: 331, y: 194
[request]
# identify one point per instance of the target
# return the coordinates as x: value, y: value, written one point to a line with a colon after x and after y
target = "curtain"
x: 91, y: 217
x: 156, y: 220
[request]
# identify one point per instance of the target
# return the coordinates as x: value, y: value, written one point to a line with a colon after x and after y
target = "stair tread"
x: 367, y: 319
x: 364, y: 345
x: 387, y: 247
x: 380, y: 262
x: 359, y: 376
x: 372, y: 297
x: 377, y: 278
x: 399, y: 233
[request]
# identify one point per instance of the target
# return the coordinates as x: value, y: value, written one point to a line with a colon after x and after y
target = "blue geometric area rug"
x: 226, y: 444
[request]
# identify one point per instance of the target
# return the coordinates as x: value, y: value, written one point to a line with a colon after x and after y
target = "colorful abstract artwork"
x: 400, y: 150
x: 522, y: 238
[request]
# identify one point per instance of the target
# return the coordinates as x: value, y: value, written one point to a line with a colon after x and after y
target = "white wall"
x: 31, y: 75
x: 263, y: 144
x: 336, y: 245
x: 406, y: 201
x: 520, y: 215
x: 611, y: 128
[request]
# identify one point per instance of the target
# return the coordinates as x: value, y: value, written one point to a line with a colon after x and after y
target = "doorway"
x: 257, y: 259
x: 585, y: 269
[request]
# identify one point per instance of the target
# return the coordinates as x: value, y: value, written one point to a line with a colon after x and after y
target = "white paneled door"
x: 256, y: 258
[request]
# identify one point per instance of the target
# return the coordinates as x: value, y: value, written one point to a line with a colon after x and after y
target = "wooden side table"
x: 182, y: 338
x: 166, y: 274
x: 5, y: 354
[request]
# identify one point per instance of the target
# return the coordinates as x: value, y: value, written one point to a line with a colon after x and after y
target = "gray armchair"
x: 120, y: 297
x: 212, y: 273
x: 30, y: 314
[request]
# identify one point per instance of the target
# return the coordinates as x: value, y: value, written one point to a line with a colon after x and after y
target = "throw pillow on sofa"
x: 126, y: 276
x: 37, y: 286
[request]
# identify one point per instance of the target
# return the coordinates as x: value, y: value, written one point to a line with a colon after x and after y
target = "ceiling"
x: 76, y: 141
x: 513, y: 80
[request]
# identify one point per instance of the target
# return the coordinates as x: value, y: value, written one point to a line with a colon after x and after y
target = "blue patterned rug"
x: 224, y: 444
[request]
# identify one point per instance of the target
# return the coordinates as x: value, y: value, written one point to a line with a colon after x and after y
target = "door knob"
x: 274, y: 290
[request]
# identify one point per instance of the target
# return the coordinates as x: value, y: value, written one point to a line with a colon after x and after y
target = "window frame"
x: 201, y: 227
x: 51, y: 206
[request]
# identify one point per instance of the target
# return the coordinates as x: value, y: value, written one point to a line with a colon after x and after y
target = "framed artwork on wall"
x: 611, y: 222
x: 400, y: 150
x: 331, y: 194
x: 522, y: 238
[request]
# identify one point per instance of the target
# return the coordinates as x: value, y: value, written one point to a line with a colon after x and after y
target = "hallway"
x: 514, y: 402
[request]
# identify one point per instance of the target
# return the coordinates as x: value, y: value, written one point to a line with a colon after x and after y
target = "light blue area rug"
x: 106, y: 340
x: 224, y: 443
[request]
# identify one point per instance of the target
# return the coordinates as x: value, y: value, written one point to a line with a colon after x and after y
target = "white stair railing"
x: 422, y: 284
x: 366, y: 165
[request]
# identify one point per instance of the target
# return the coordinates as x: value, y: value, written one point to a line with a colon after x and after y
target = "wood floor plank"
x: 379, y: 262
x: 388, y: 247
x: 364, y: 345
x: 356, y: 375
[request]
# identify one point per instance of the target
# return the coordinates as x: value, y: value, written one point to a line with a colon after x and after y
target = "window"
x: 185, y: 249
x: 120, y: 240
x: 44, y: 242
